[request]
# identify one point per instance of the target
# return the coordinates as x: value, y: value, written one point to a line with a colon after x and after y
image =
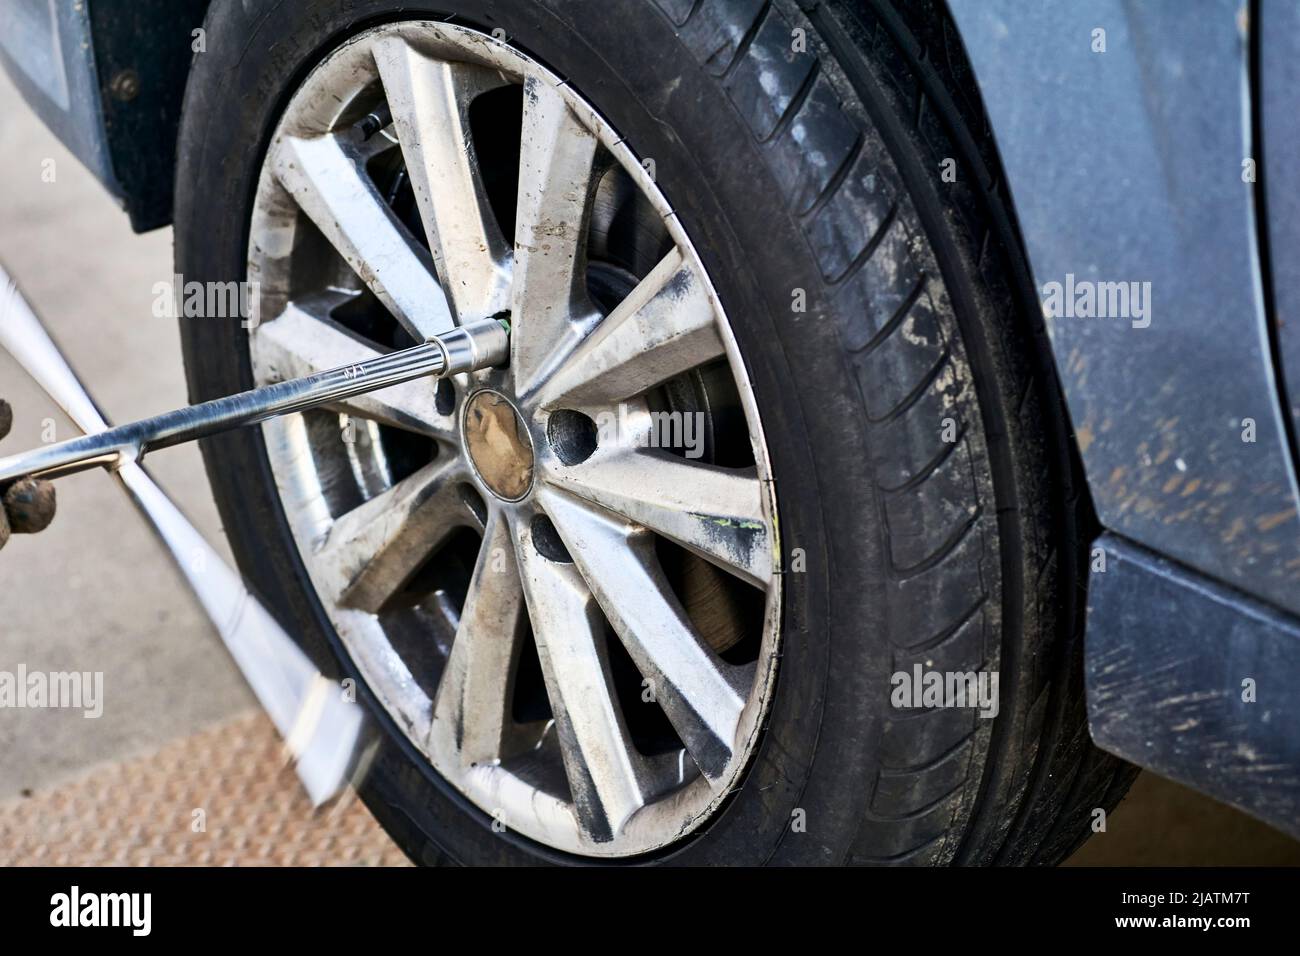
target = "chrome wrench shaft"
x: 462, y: 349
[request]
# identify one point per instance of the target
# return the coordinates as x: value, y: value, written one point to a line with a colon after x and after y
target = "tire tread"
x: 1022, y: 793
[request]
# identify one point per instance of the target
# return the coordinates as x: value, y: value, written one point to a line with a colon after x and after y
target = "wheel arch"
x: 108, y: 77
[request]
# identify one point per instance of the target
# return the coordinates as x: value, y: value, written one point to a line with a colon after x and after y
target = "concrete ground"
x: 97, y: 593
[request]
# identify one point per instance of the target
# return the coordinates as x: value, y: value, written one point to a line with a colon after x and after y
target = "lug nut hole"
x: 572, y: 434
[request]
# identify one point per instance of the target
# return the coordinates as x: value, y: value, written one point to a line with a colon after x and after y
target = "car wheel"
x: 777, y: 428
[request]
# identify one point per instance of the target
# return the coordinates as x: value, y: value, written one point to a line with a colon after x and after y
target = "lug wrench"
x: 324, y: 732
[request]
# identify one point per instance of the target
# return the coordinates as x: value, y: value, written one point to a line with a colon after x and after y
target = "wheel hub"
x: 498, y: 444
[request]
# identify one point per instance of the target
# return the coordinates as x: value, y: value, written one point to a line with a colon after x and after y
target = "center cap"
x: 499, y: 445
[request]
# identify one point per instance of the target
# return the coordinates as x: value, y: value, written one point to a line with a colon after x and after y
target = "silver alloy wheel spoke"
x: 606, y: 774
x: 665, y: 327
x: 372, y: 551
x: 471, y: 714
x: 302, y: 340
x: 343, y: 202
x: 429, y: 100
x: 701, y: 699
x: 557, y: 153
x: 715, y: 512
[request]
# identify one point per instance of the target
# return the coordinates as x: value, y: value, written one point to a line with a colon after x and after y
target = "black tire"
x: 964, y: 555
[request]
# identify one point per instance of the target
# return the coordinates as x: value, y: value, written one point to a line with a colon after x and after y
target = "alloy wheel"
x: 559, y: 578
